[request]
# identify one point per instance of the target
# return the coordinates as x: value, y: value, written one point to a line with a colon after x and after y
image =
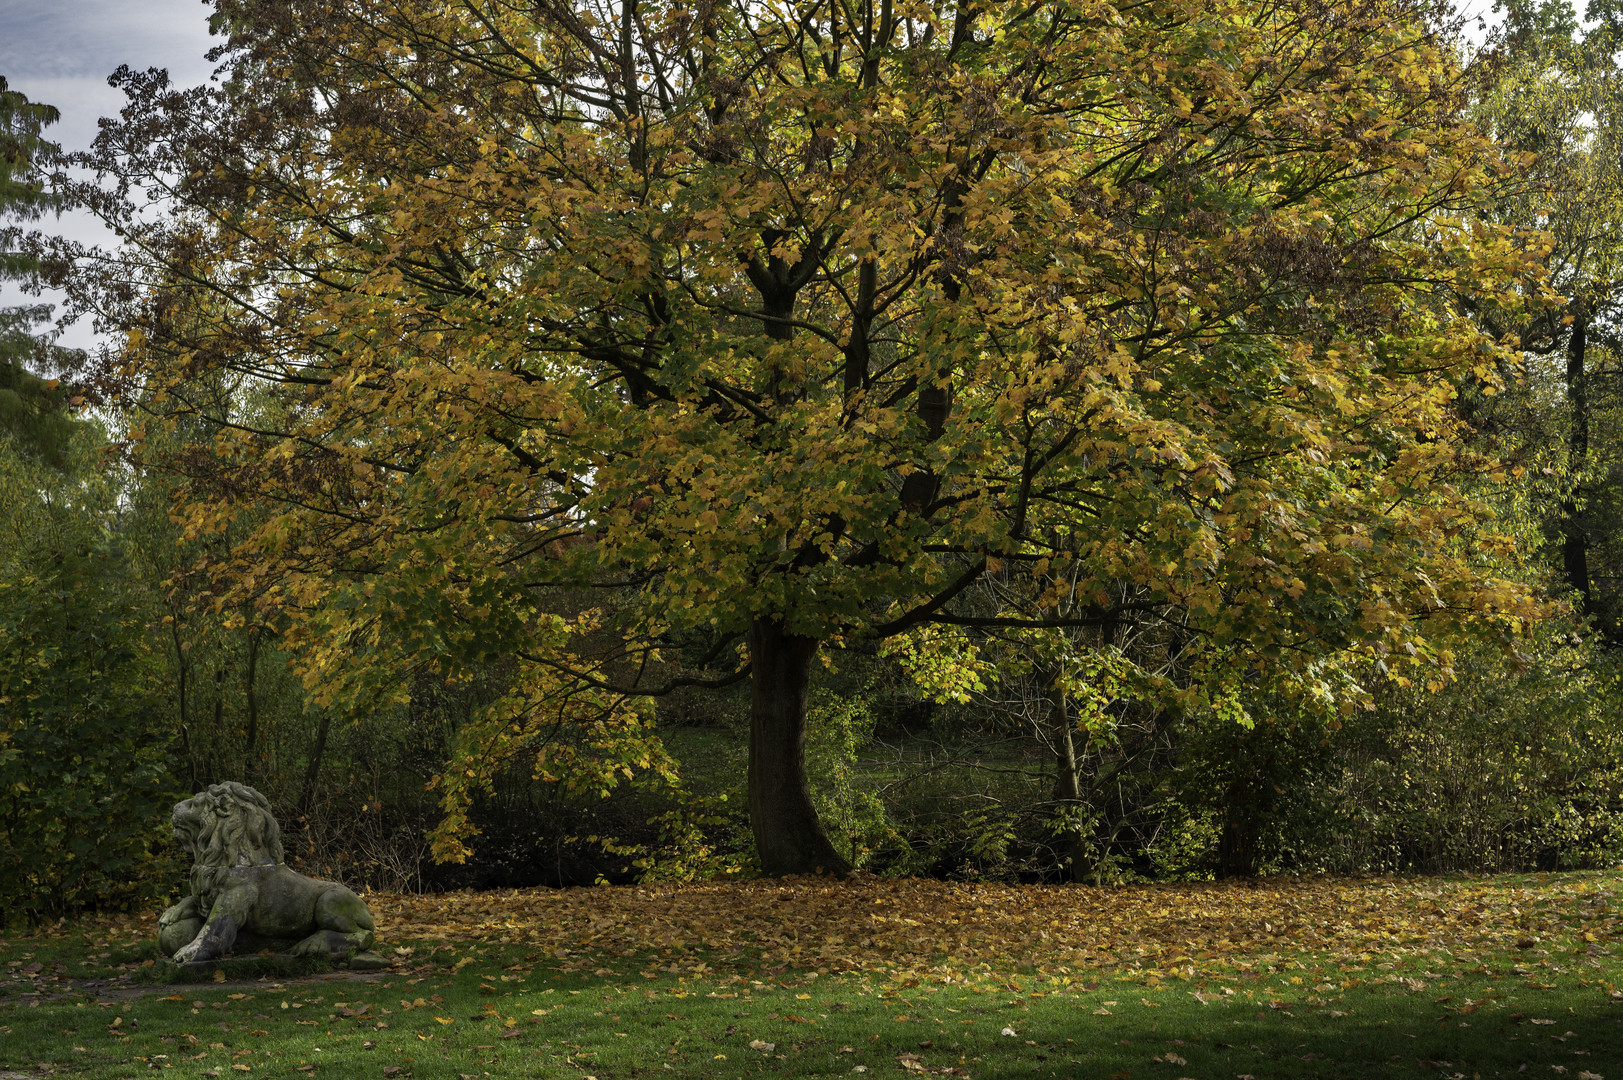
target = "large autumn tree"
x: 650, y: 342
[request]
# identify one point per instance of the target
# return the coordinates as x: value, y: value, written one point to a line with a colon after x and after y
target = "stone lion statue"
x: 242, y: 895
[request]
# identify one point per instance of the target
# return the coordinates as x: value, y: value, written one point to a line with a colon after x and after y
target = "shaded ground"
x: 58, y: 989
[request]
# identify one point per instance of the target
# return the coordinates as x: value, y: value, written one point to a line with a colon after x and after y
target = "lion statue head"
x: 228, y: 825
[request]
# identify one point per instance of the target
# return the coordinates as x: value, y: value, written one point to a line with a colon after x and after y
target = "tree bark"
x: 1067, y: 780
x: 1575, y: 537
x: 313, y: 769
x: 788, y: 837
x: 1247, y: 803
x: 251, y: 698
x: 182, y: 670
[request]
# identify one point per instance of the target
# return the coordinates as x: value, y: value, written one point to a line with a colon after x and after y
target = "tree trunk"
x: 182, y: 670
x: 1247, y: 803
x: 1236, y: 856
x: 313, y: 769
x: 1575, y: 541
x: 1067, y: 783
x: 251, y: 698
x: 1575, y: 536
x: 219, y: 711
x: 788, y: 837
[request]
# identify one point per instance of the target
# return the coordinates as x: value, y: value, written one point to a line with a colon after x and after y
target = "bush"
x: 1516, y: 764
x: 85, y: 791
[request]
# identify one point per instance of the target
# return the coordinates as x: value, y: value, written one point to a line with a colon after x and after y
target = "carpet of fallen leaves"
x: 879, y: 924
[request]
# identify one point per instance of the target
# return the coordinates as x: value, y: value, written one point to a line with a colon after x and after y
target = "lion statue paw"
x: 244, y: 898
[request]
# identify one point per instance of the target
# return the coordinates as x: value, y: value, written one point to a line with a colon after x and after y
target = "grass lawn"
x: 1455, y: 978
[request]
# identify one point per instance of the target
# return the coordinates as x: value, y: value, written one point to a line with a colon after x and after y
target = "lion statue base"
x: 245, y: 899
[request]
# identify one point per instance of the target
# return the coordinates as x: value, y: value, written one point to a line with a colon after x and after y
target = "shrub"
x: 1516, y: 764
x: 84, y: 787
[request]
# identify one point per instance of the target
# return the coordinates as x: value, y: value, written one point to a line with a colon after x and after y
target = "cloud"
x: 59, y: 39
x: 60, y: 52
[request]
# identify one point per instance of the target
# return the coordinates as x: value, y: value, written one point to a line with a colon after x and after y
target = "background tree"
x: 777, y: 327
x: 85, y: 786
x: 33, y: 409
x: 1551, y: 93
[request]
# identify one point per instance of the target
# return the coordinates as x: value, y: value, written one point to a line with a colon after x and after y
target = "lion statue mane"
x: 244, y: 897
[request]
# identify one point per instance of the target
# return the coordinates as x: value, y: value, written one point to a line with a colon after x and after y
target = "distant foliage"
x: 84, y: 780
x: 855, y: 817
x: 1509, y: 767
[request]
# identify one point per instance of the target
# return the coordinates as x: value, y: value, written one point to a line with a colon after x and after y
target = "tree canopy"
x: 657, y: 344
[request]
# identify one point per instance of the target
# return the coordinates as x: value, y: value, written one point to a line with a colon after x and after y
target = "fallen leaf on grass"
x: 763, y: 1047
x: 906, y: 924
x: 1009, y: 1031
